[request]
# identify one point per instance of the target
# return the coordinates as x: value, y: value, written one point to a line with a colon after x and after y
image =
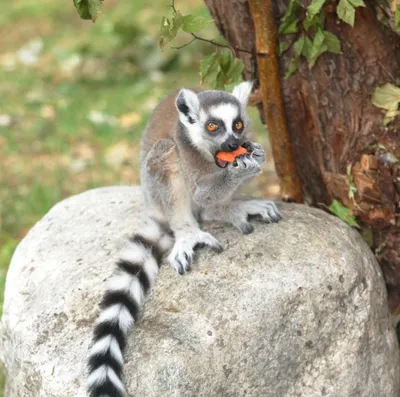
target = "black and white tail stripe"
x: 136, y: 271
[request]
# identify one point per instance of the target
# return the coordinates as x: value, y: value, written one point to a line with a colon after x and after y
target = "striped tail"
x: 129, y: 285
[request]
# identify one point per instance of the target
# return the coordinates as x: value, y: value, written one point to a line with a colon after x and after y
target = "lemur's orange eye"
x: 239, y: 125
x: 212, y: 127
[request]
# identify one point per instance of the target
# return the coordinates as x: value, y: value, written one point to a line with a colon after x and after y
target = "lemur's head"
x: 215, y: 120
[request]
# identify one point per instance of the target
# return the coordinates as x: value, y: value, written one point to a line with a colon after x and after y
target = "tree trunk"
x: 333, y: 124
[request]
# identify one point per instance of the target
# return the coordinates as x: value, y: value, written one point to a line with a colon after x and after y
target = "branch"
x: 268, y: 73
x: 173, y: 6
x: 213, y: 42
x: 184, y: 45
x: 222, y: 45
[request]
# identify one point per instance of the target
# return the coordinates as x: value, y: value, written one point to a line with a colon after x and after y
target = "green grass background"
x: 72, y: 119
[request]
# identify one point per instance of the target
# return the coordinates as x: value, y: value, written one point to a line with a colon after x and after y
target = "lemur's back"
x: 161, y: 124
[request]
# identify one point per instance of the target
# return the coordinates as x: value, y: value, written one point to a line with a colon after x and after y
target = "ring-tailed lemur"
x: 183, y: 182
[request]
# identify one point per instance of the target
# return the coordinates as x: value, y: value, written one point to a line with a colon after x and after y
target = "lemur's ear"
x: 243, y: 91
x: 188, y: 105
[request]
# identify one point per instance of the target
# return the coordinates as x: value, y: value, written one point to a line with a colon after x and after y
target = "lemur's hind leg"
x: 163, y: 181
x: 238, y: 212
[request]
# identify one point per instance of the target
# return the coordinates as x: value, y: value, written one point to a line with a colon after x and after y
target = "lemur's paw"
x: 266, y: 209
x: 256, y: 151
x: 245, y: 166
x: 181, y: 256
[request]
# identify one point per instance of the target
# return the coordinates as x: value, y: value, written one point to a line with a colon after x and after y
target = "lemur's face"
x: 215, y: 120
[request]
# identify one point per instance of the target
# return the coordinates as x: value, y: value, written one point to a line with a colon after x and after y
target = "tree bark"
x: 267, y: 62
x: 333, y: 124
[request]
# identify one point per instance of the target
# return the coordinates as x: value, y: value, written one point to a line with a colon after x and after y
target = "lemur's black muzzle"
x: 230, y: 144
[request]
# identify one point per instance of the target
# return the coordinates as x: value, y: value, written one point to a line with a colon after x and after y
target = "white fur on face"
x: 227, y: 112
x: 196, y: 136
x: 243, y: 91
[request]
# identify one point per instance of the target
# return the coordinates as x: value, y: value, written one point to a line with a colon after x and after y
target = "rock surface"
x: 296, y: 309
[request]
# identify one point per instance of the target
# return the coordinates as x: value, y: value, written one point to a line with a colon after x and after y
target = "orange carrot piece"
x: 230, y: 156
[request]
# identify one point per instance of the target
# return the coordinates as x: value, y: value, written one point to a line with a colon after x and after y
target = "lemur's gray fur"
x: 183, y: 184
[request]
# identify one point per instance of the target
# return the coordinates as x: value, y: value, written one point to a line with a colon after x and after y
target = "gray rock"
x: 294, y: 309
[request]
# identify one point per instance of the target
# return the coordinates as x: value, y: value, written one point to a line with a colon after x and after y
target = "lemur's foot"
x: 181, y: 256
x: 265, y: 209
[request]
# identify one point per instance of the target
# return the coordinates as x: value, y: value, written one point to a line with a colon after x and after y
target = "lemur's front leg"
x: 237, y: 211
x: 162, y: 180
x: 219, y: 188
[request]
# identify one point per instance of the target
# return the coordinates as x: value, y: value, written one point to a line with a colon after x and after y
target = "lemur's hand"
x: 255, y: 151
x: 244, y: 167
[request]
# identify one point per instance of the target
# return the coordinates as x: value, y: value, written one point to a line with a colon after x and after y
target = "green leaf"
x: 387, y: 97
x: 220, y: 80
x: 209, y: 67
x: 357, y: 3
x: 397, y: 17
x: 318, y: 47
x: 344, y: 213
x: 290, y: 19
x: 298, y: 45
x: 225, y: 61
x: 169, y: 29
x: 235, y: 71
x: 307, y: 48
x: 314, y: 8
x: 283, y: 46
x: 389, y: 116
x: 317, y: 21
x: 221, y: 69
x: 346, y: 12
x: 290, y: 28
x: 319, y: 39
x: 332, y: 42
x: 88, y: 9
x: 164, y: 32
x: 192, y: 23
x: 294, y: 63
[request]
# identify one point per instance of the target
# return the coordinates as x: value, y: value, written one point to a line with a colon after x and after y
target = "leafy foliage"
x: 344, y: 213
x: 346, y: 11
x: 314, y: 8
x: 311, y: 50
x: 170, y: 28
x: 387, y: 97
x: 192, y: 23
x: 221, y: 69
x: 290, y: 20
x: 294, y: 63
x: 312, y: 39
x: 186, y: 23
x: 88, y: 9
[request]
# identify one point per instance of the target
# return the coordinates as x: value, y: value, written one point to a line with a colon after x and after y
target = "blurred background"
x: 75, y: 97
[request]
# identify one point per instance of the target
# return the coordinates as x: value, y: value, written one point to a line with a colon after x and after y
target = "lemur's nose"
x: 233, y: 146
